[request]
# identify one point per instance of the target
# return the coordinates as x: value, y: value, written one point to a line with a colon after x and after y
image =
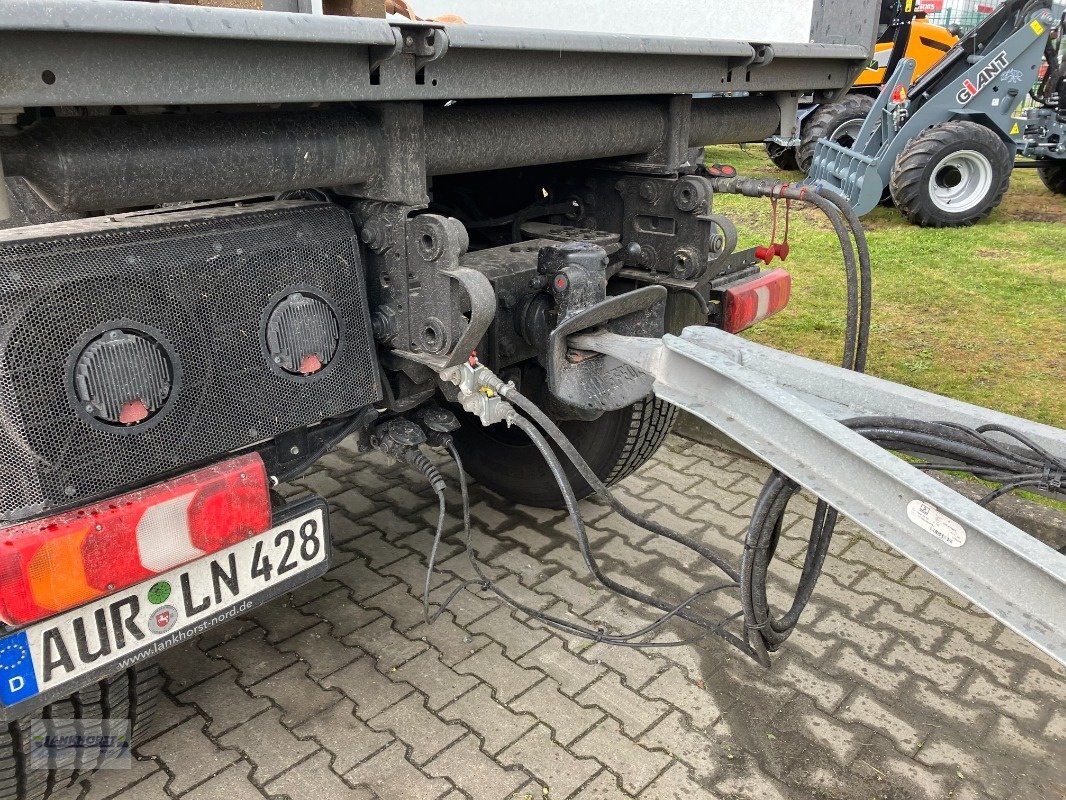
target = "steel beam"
x: 1014, y: 577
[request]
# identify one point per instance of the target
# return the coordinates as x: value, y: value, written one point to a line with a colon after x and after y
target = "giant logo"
x: 969, y: 91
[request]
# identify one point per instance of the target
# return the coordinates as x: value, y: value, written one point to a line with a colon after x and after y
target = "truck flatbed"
x: 107, y: 52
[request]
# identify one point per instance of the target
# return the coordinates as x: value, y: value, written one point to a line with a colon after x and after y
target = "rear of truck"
x: 232, y: 239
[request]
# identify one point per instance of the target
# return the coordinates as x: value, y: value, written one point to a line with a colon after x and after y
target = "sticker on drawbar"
x: 931, y: 520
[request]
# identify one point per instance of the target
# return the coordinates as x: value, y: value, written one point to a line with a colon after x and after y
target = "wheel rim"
x: 847, y: 132
x: 961, y: 181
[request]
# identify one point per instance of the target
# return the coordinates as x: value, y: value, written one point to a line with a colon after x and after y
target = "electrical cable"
x: 599, y: 634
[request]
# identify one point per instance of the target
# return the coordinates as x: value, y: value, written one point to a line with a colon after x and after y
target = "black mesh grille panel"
x: 201, y: 284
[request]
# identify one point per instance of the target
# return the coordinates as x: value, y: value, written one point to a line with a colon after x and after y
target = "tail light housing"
x: 753, y: 301
x: 59, y: 562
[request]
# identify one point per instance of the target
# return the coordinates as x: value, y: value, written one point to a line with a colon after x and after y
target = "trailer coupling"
x: 790, y: 412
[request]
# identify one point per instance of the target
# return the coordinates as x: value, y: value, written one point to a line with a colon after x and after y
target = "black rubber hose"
x: 855, y: 345
x: 862, y: 246
x: 964, y: 449
x: 625, y: 640
x: 570, y: 500
x: 600, y: 488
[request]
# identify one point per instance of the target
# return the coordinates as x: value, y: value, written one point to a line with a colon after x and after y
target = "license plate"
x: 59, y: 655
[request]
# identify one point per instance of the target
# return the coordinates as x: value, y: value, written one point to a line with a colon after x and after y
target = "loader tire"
x: 784, y: 158
x: 1053, y: 174
x: 951, y: 175
x: 129, y: 695
x: 614, y: 445
x: 838, y: 122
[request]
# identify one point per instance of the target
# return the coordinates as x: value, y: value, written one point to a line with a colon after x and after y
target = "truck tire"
x: 615, y: 445
x: 784, y: 158
x: 838, y: 122
x: 1053, y: 174
x: 130, y: 694
x: 951, y: 175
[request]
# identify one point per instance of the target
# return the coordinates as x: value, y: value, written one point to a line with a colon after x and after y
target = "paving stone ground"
x: 893, y: 688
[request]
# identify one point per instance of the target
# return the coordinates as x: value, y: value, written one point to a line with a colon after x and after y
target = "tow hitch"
x: 828, y: 430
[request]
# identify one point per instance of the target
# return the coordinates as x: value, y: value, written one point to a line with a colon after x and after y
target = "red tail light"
x: 754, y: 301
x: 56, y: 563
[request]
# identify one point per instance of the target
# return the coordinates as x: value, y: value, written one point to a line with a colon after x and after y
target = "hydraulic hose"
x: 836, y: 210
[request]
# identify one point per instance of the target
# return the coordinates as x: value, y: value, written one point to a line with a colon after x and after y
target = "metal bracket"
x: 746, y: 391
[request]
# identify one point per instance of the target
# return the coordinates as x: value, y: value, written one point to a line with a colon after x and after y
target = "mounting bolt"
x: 294, y: 451
x: 374, y: 235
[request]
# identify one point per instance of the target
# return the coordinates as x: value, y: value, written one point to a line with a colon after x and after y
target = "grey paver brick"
x: 347, y: 739
x: 567, y: 719
x: 320, y: 650
x: 884, y: 679
x: 186, y: 665
x: 339, y: 610
x: 474, y: 772
x: 268, y: 745
x: 109, y: 782
x: 360, y: 579
x: 556, y: 768
x: 749, y: 783
x: 440, y: 683
x: 982, y: 690
x: 910, y: 600
x: 354, y: 502
x: 233, y: 783
x: 362, y: 683
x: 382, y: 641
x: 497, y: 725
x: 702, y: 751
x: 397, y: 602
x: 946, y: 706
x: 868, y: 641
x: 224, y: 702
x: 676, y: 784
x: 825, y: 691
x: 502, y: 627
x: 571, y: 672
x: 299, y: 697
x: 253, y: 656
x: 635, y: 765
x: 313, y: 778
x: 280, y: 620
x: 947, y: 675
x: 191, y: 756
x: 417, y: 727
x: 634, y: 666
x: 506, y: 677
x: 603, y: 787
x: 636, y: 713
x: 698, y: 705
x: 151, y: 788
x: 390, y: 774
x: 860, y: 707
x: 958, y: 648
x: 839, y: 740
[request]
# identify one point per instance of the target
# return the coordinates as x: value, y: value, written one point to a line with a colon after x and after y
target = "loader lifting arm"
x: 788, y: 411
x: 944, y: 147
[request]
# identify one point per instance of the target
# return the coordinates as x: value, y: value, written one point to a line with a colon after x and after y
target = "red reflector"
x: 899, y: 94
x: 62, y: 561
x: 754, y: 301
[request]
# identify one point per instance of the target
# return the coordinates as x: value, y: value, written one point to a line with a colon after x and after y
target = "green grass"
x: 978, y: 314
